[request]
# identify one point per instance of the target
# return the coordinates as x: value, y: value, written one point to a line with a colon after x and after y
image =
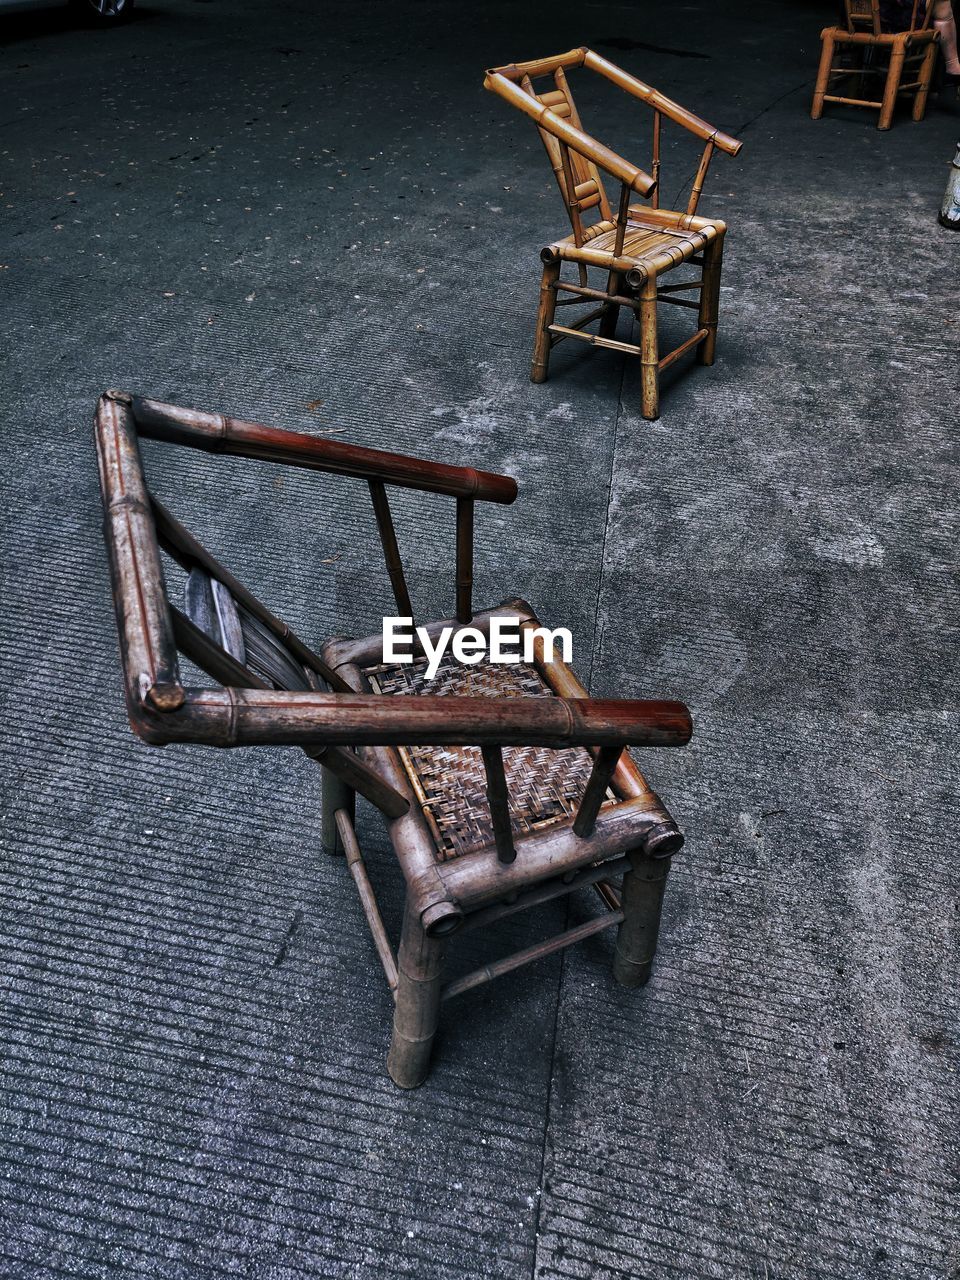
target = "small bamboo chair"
x: 848, y: 53
x: 635, y: 246
x: 502, y: 786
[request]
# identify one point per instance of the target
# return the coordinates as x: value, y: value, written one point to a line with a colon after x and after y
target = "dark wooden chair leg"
x: 418, y: 1003
x: 335, y: 795
x: 710, y: 300
x: 608, y: 321
x: 897, y: 54
x: 823, y: 74
x: 649, y: 351
x: 545, y: 314
x: 643, y: 888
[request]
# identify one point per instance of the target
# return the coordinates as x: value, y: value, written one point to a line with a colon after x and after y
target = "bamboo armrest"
x: 539, y: 66
x: 660, y: 102
x: 629, y: 174
x: 250, y: 717
x: 217, y: 433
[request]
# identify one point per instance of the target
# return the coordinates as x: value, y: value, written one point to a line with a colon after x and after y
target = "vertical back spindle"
x: 655, y: 167
x: 699, y: 179
x: 603, y: 769
x: 464, y: 559
x: 497, y: 798
x: 391, y: 552
x: 623, y: 213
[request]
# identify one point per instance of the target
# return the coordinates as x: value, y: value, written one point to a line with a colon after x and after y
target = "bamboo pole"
x: 672, y: 110
x: 641, y: 903
x: 391, y: 550
x: 498, y: 800
x: 368, y: 900
x: 700, y: 178
x: 649, y: 360
x: 593, y: 797
x: 709, y: 313
x: 216, y: 433
x: 147, y: 645
x: 487, y: 973
x: 892, y: 84
x: 335, y: 797
x: 677, y: 353
x: 417, y: 1009
x: 545, y: 314
x: 250, y: 717
x: 599, y: 295
x: 925, y: 76
x: 540, y: 66
x: 464, y: 560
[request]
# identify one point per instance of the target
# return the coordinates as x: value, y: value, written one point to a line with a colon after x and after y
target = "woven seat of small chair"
x: 544, y: 786
x: 643, y: 241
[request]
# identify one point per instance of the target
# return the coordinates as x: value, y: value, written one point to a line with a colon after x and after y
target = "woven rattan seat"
x: 646, y: 244
x: 632, y: 245
x: 502, y: 786
x: 544, y: 787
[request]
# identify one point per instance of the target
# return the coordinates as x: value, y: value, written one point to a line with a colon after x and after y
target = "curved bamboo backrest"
x: 577, y: 158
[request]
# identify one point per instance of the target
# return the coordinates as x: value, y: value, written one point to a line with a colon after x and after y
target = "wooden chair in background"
x: 502, y: 787
x: 633, y: 246
x: 850, y: 53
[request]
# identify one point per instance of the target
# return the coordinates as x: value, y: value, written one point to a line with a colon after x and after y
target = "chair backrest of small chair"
x: 863, y: 16
x: 873, y: 17
x: 578, y: 178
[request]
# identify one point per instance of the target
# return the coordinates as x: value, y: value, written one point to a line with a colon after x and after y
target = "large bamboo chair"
x: 502, y: 787
x: 862, y: 49
x: 635, y: 246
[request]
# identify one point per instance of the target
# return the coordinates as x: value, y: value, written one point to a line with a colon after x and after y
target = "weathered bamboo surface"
x: 217, y: 433
x: 536, y: 829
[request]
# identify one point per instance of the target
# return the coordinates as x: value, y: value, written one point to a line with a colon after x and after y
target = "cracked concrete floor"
x: 313, y: 215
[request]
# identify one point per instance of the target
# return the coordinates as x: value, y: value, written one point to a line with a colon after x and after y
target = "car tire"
x: 103, y: 13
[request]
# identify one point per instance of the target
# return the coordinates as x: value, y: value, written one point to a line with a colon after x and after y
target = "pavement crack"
x: 288, y: 938
x: 598, y: 630
x: 770, y: 105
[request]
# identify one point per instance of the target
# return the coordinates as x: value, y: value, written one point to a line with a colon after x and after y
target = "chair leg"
x: 335, y: 795
x: 892, y: 88
x: 925, y: 76
x: 823, y: 74
x: 643, y: 889
x: 649, y: 351
x: 709, y: 311
x: 545, y: 314
x: 417, y: 1009
x: 608, y: 321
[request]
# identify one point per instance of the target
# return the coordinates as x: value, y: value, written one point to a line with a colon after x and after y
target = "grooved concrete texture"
x: 314, y: 216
